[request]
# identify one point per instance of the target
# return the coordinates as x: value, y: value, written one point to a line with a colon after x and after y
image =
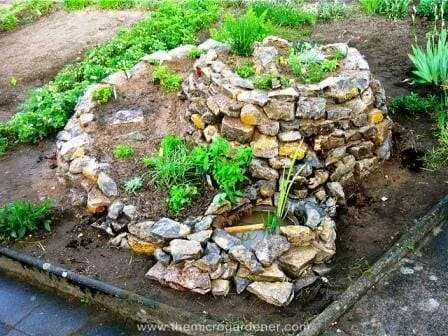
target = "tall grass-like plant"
x: 285, y: 14
x: 371, y: 7
x: 394, y: 9
x: 242, y: 32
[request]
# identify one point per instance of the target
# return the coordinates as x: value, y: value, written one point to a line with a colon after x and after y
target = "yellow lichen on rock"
x: 293, y: 149
x: 141, y: 246
x: 197, y: 120
x: 376, y: 116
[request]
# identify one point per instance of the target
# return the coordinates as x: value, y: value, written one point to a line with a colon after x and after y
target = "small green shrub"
x: 432, y: 8
x: 122, y: 151
x: 371, y: 7
x: 76, y: 4
x: 329, y: 10
x: 438, y: 157
x: 284, y: 14
x: 133, y: 185
x: 246, y: 69
x: 181, y: 196
x: 242, y: 32
x: 167, y: 79
x: 394, y: 9
x: 414, y: 104
x: 9, y: 22
x: 22, y: 217
x: 269, y: 81
x: 22, y: 11
x: 102, y: 94
x: 194, y: 53
x: 115, y: 4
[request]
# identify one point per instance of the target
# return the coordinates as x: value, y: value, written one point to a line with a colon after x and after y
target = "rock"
x: 245, y: 257
x: 335, y: 155
x: 289, y: 136
x: 327, y: 142
x: 267, y: 188
x: 201, y: 236
x: 130, y: 211
x: 362, y: 150
x: 320, y: 177
x: 264, y: 146
x: 276, y: 293
x: 293, y: 149
x: 77, y: 198
x: 133, y: 136
x: 118, y: 227
x: 187, y: 278
x: 91, y: 170
x: 289, y: 94
x: 335, y: 190
x: 235, y: 130
x: 257, y: 97
x: 311, y: 108
x: 315, y: 127
x: 338, y: 112
x: 115, y: 209
x: 218, y: 206
x: 220, y: 103
x: 181, y: 51
x: 277, y: 41
x: 321, y: 269
x: 182, y: 249
x: 343, y: 167
x: 239, y: 82
x: 298, y: 235
x: 107, y: 185
x: 229, y: 269
x: 220, y: 287
x: 313, y: 215
x: 128, y: 116
x: 225, y: 240
x: 286, y: 126
x: 211, y: 132
x: 260, y: 169
x: 208, y: 263
x: 169, y: 229
x: 269, y: 127
x: 280, y: 110
x: 142, y: 230
x: 376, y: 116
x: 295, y: 261
x: 240, y: 284
x: 304, y: 281
x: 141, y: 246
x: 162, y: 257
x: 78, y: 164
x: 366, y: 166
x: 97, y: 203
x: 204, y: 224
x: 197, y: 121
x: 212, y: 248
x: 280, y: 163
x: 157, y: 272
x: 69, y: 148
x: 118, y: 240
x: 252, y: 115
x: 270, y: 248
x: 157, y: 57
x: 86, y: 118
x: 213, y: 44
x: 345, y: 87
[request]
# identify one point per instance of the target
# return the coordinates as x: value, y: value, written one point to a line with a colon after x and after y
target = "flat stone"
x: 257, y: 97
x: 298, y: 235
x: 338, y: 112
x: 311, y: 108
x: 141, y: 246
x: 97, y: 202
x: 288, y: 93
x: 78, y: 164
x: 270, y: 248
x: 220, y: 103
x: 208, y: 263
x: 343, y: 167
x: 181, y: 51
x: 320, y: 177
x: 204, y: 224
x: 162, y: 257
x: 218, y: 206
x: 142, y: 230
x: 157, y: 272
x: 213, y: 44
x: 252, y: 115
x: 269, y: 127
x: 335, y: 155
x: 295, y: 261
x: 197, y: 121
x: 260, y: 169
x: 293, y: 150
x: 234, y: 129
x: 267, y: 188
x: 276, y: 293
x: 229, y: 269
x: 130, y: 211
x: 289, y: 136
x: 128, y: 116
x: 157, y: 57
x: 278, y: 109
x: 86, y: 118
x: 115, y: 209
x: 225, y: 240
x: 212, y: 248
x: 362, y: 150
x: 270, y: 273
x: 304, y: 281
x: 264, y: 146
x: 220, y: 287
x: 265, y: 57
x: 201, y: 236
x: 210, y: 132
x: 107, y: 185
x: 240, y: 284
x: 182, y: 249
x: 316, y: 127
x: 167, y: 228
x: 69, y: 147
x: 335, y: 190
x: 91, y: 170
x: 246, y: 257
x: 280, y: 162
x: 134, y: 136
x: 187, y: 278
x: 313, y: 215
x: 366, y: 166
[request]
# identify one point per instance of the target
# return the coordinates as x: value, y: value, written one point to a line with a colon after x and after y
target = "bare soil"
x: 379, y: 208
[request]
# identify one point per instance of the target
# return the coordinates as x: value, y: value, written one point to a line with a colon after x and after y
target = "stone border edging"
x: 128, y: 304
x: 420, y: 228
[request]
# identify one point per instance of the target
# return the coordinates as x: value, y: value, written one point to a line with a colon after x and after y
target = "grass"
x: 76, y: 4
x: 246, y: 69
x: 103, y: 94
x: 413, y: 104
x: 371, y: 7
x: 330, y: 10
x: 394, y: 9
x: 122, y: 152
x: 20, y: 12
x: 47, y: 109
x: 432, y: 8
x: 22, y: 217
x: 438, y: 156
x: 110, y: 4
x: 167, y: 79
x: 194, y: 53
x: 285, y: 14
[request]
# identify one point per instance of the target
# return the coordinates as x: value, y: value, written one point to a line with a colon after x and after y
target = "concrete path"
x: 25, y: 311
x: 411, y: 300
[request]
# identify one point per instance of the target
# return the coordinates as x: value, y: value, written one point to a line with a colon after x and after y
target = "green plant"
x: 432, y: 9
x: 438, y: 156
x: 270, y: 80
x: 22, y: 217
x: 115, y: 4
x: 285, y: 14
x: 76, y: 4
x: 194, y: 53
x: 181, y: 196
x: 394, y: 9
x: 102, y: 94
x: 122, y: 151
x: 133, y: 185
x: 47, y: 109
x: 242, y: 32
x: 168, y: 80
x: 371, y: 7
x: 246, y: 69
x: 22, y: 11
x: 329, y: 65
x: 413, y: 104
x: 329, y: 10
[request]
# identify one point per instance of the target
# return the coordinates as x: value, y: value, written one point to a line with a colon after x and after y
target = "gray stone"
x: 296, y: 260
x: 313, y: 215
x: 335, y: 190
x: 269, y: 128
x: 311, y: 108
x: 266, y: 188
x: 134, y: 136
x: 276, y: 293
x: 142, y: 231
x: 260, y: 169
x: 361, y: 150
x: 86, y: 118
x: 234, y: 129
x: 115, y: 209
x: 304, y: 281
x: 320, y: 177
x: 229, y: 269
x: 97, y: 202
x: 201, y: 236
x: 219, y: 205
x: 225, y: 240
x: 78, y: 164
x: 182, y: 249
x: 321, y: 269
x: 270, y: 248
x: 240, y: 284
x: 107, y: 185
x: 204, y: 224
x: 187, y: 278
x: 257, y: 97
x: 336, y: 112
x: 157, y: 57
x: 246, y: 257
x: 69, y: 147
x: 265, y: 58
x: 220, y: 287
x: 213, y: 44
x: 130, y: 211
x: 278, y: 109
x: 264, y: 146
x: 208, y: 263
x: 162, y: 257
x: 118, y: 240
x: 128, y: 116
x: 212, y: 248
x: 157, y: 272
x: 289, y: 136
x: 181, y: 51
x: 287, y: 94
x: 167, y: 228
x: 344, y: 167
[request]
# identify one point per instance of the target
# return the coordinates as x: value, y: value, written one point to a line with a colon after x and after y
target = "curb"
x: 127, y: 304
x: 420, y: 228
